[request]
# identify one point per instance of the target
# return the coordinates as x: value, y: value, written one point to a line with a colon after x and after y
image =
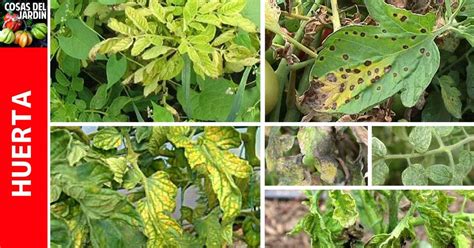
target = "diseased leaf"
x: 443, y: 131
x: 137, y: 19
x: 414, y: 175
x: 380, y: 172
x: 439, y: 173
x: 451, y: 95
x: 210, y: 155
x: 404, y: 229
x: 345, y: 210
x: 210, y: 230
x: 160, y: 228
x: 398, y: 55
x: 420, y: 138
x: 107, y: 138
x: 378, y: 148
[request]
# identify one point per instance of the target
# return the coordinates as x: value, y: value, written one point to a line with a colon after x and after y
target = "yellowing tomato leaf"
x: 360, y: 66
x: 210, y: 155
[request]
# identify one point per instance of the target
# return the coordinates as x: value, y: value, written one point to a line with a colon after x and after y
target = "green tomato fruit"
x: 7, y: 36
x: 272, y: 87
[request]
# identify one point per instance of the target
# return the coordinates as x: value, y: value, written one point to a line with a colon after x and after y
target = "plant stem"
x: 336, y: 23
x: 295, y: 16
x: 432, y: 152
x: 449, y: 11
x: 301, y: 65
x: 393, y: 202
x: 249, y: 139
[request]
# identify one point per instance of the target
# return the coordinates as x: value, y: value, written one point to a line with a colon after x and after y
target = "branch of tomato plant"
x: 393, y: 206
x: 336, y: 23
x: 432, y: 152
x: 283, y: 69
x: 249, y: 139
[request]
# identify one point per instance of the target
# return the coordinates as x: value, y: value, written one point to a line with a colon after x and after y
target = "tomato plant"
x: 316, y: 155
x: 354, y: 62
x: 422, y: 155
x: 154, y: 187
x: 155, y: 60
x: 418, y: 218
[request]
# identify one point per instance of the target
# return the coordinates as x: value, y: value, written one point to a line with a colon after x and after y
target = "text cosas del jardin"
x: 28, y: 10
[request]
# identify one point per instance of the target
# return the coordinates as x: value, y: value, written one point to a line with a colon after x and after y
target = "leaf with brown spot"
x: 376, y: 62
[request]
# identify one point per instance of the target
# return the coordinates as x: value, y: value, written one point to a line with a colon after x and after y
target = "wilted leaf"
x: 345, y: 210
x: 107, y: 138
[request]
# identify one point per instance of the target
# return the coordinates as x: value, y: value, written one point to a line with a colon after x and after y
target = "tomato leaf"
x: 360, y: 66
x: 81, y: 41
x: 414, y: 175
x: 420, y: 138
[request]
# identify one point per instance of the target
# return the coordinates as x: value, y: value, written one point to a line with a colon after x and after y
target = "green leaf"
x: 439, y: 173
x: 137, y: 19
x: 252, y: 12
x: 420, y: 138
x: 76, y: 151
x: 414, y: 175
x: 107, y: 138
x: 111, y: 2
x: 160, y: 228
x: 210, y: 155
x: 161, y: 114
x: 380, y: 172
x: 232, y: 7
x: 115, y: 69
x: 443, y: 131
x: 120, y: 27
x: 398, y: 55
x: 118, y: 166
x: 451, y: 96
x: 80, y: 42
x: 158, y: 10
x: 467, y: 9
x: 313, y: 224
x: 209, y: 230
x: 99, y: 100
x: 438, y: 227
x: 189, y: 11
x: 378, y: 148
x: 157, y: 139
x: 403, y: 230
x: 59, y: 231
x: 345, y: 210
x: 470, y: 76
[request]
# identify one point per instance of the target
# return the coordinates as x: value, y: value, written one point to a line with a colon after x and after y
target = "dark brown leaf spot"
x: 395, y: 15
x: 422, y: 50
x: 348, y: 70
x: 356, y: 71
x: 376, y: 36
x: 387, y: 69
x: 357, y: 97
x: 394, y: 39
x: 360, y: 80
x: 369, y: 73
x: 395, y: 74
x: 341, y: 69
x: 331, y: 77
x: 321, y: 58
x: 423, y: 30
x: 345, y: 56
x: 362, y: 34
x: 347, y: 100
x: 403, y: 18
x: 379, y: 88
x: 343, y: 76
x: 384, y: 31
x: 332, y: 48
x: 405, y: 68
x: 427, y: 54
x: 367, y: 62
x: 413, y: 37
x: 376, y: 70
x: 334, y: 106
x: 352, y: 87
x: 355, y: 32
x: 405, y: 46
x: 346, y: 33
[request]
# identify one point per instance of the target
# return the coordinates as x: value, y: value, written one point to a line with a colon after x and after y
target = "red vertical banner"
x: 24, y: 147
